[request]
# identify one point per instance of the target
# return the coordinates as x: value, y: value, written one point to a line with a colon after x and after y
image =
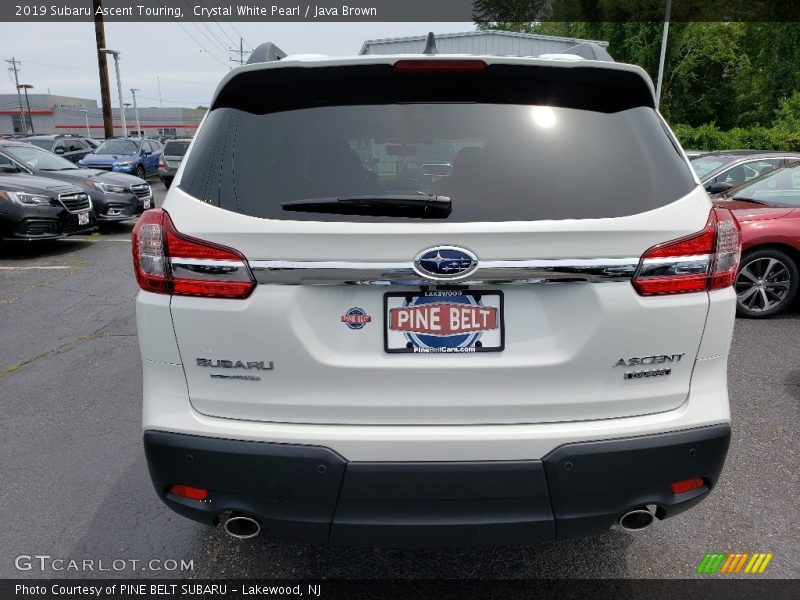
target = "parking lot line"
x: 3, y: 268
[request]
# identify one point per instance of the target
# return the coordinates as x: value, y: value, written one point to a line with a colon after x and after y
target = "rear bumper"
x: 313, y: 494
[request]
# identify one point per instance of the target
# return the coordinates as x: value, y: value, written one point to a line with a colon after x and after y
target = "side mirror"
x: 59, y: 150
x: 9, y: 169
x: 719, y: 187
x: 146, y: 153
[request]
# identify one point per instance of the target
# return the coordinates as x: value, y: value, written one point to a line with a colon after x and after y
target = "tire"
x: 766, y: 284
x: 167, y: 181
x: 140, y: 173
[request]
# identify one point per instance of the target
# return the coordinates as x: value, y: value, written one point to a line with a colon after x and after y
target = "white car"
x: 424, y: 300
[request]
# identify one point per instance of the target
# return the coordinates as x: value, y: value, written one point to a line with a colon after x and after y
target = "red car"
x: 768, y: 209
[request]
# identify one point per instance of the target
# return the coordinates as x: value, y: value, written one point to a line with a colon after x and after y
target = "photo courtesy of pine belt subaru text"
x: 115, y: 196
x: 431, y: 300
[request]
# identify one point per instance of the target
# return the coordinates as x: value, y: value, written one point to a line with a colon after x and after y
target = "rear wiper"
x: 424, y: 206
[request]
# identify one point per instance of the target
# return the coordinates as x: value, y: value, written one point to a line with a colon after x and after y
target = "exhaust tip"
x: 636, y: 520
x: 242, y: 527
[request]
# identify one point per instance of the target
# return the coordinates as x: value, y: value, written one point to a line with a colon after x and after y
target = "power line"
x: 236, y: 31
x: 30, y: 62
x: 213, y: 39
x: 202, y: 48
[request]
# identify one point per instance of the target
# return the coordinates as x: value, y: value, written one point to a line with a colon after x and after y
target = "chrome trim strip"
x: 78, y: 196
x: 506, y: 272
x: 675, y: 265
x: 211, y: 270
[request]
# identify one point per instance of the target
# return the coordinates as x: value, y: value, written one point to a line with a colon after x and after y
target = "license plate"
x: 147, y: 203
x: 443, y: 322
x: 83, y: 218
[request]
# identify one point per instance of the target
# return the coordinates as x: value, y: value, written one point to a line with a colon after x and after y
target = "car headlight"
x: 107, y: 188
x: 126, y: 163
x: 26, y: 199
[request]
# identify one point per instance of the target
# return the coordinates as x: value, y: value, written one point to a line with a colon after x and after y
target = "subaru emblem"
x: 445, y: 262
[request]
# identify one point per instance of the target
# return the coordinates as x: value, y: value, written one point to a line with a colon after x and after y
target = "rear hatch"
x: 437, y: 245
x: 174, y: 151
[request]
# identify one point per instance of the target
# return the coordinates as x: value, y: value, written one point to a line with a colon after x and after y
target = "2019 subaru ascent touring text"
x: 419, y: 300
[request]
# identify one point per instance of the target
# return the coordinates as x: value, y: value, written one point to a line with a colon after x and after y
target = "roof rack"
x: 266, y: 52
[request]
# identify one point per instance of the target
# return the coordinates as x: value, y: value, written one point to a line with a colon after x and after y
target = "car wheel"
x: 140, y: 172
x: 766, y: 284
x: 167, y: 181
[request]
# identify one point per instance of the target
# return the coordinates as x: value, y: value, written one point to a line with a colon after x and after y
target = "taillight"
x: 161, y: 162
x: 703, y: 261
x: 434, y: 65
x: 169, y: 262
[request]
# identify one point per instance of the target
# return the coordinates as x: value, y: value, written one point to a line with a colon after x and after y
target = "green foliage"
x: 733, y: 84
x: 710, y: 137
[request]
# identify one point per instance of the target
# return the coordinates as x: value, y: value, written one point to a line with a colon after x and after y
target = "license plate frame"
x: 147, y: 203
x: 83, y: 218
x: 416, y: 342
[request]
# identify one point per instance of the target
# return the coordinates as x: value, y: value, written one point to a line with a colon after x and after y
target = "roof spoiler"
x: 589, y: 51
x: 266, y: 52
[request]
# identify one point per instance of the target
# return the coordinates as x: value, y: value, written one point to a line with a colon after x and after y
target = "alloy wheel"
x: 762, y: 284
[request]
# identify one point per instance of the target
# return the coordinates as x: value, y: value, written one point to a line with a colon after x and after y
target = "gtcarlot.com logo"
x: 739, y: 562
x: 45, y: 562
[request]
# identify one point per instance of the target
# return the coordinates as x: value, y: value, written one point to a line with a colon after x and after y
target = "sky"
x: 189, y: 58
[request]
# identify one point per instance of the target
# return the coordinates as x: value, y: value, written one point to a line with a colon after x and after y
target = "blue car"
x: 138, y: 157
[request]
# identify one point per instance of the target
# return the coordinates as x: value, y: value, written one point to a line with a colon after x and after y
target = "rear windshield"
x: 175, y: 148
x: 494, y: 161
x: 45, y: 144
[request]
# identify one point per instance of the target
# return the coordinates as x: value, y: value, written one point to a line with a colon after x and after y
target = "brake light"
x: 438, y: 66
x: 161, y: 162
x: 169, y: 262
x: 706, y: 260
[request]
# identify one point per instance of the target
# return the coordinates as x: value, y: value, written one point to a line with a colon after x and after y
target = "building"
x: 63, y: 114
x: 496, y: 43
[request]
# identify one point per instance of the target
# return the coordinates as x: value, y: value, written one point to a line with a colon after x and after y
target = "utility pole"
x: 15, y: 64
x: 663, y: 53
x: 26, y: 87
x: 160, y: 98
x: 136, y: 112
x: 241, y: 52
x: 102, y: 67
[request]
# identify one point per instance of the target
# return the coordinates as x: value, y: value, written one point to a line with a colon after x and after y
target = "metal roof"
x: 490, y: 42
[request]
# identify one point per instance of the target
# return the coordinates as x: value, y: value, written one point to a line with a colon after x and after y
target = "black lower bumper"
x: 312, y: 494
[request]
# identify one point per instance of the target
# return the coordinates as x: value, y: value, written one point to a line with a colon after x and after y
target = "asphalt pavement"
x: 75, y: 483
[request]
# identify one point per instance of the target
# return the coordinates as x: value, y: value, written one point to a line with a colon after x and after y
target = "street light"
x: 86, y: 116
x: 136, y: 112
x: 115, y: 54
x: 26, y: 87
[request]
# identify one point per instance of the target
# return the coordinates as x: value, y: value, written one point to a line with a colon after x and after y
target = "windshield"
x: 125, y: 147
x: 781, y: 186
x: 36, y: 158
x: 703, y: 165
x: 496, y: 162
